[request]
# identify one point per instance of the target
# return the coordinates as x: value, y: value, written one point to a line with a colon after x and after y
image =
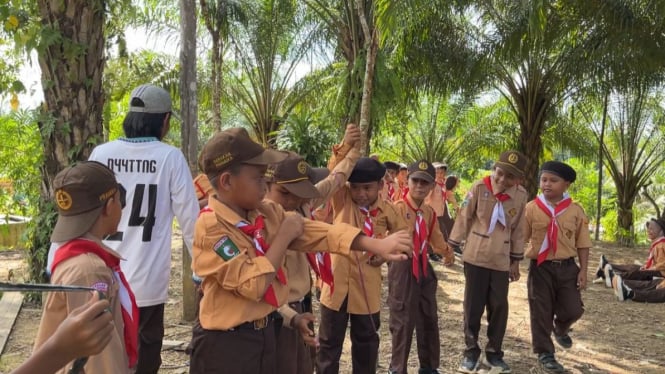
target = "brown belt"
x: 258, y: 324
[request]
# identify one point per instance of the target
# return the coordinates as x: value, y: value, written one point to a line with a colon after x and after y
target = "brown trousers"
x: 412, y: 305
x: 239, y: 351
x: 633, y: 272
x: 555, y: 303
x: 485, y: 288
x: 151, y: 333
x: 293, y: 356
x: 647, y: 291
x: 364, y: 340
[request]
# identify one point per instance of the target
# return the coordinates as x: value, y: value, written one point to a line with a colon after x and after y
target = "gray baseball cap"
x: 155, y: 99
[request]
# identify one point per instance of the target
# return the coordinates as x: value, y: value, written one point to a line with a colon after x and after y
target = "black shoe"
x: 468, y: 365
x: 565, y: 341
x: 622, y: 291
x: 435, y: 257
x: 428, y: 371
x: 550, y: 364
x: 496, y: 362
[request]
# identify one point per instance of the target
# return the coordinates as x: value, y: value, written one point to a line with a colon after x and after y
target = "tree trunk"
x: 625, y: 229
x: 531, y: 145
x: 371, y: 48
x: 216, y: 81
x: 189, y: 131
x: 599, y: 194
x: 72, y: 65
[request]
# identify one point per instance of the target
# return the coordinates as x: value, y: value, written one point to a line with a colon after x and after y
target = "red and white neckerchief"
x: 405, y: 192
x: 498, y: 215
x: 130, y: 311
x: 649, y: 262
x: 551, y: 238
x: 321, y: 263
x: 255, y: 231
x: 419, y: 243
x: 391, y: 190
x: 368, y: 226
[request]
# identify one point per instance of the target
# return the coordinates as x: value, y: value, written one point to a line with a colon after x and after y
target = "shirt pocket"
x: 567, y: 233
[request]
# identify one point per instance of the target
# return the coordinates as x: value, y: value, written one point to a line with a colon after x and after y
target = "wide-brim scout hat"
x: 367, y: 170
x: 155, y: 99
x: 233, y: 147
x: 81, y: 190
x: 561, y: 169
x: 295, y: 174
x: 512, y: 162
x: 422, y: 170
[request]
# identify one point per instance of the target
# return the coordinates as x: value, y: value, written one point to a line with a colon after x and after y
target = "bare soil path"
x: 612, y: 337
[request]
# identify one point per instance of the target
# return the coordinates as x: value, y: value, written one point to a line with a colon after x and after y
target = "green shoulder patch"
x: 226, y: 248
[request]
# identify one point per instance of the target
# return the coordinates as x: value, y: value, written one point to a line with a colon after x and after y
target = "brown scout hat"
x: 512, y: 162
x: 232, y: 147
x: 298, y: 177
x: 422, y: 170
x: 81, y: 190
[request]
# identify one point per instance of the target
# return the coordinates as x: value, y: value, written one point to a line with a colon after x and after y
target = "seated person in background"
x: 654, y: 267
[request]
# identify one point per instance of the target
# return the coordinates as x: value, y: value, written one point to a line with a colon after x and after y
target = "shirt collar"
x: 225, y: 213
x: 143, y: 139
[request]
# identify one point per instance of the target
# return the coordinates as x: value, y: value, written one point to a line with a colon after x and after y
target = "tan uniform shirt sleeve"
x: 517, y: 236
x: 339, y: 151
x: 332, y: 183
x: 85, y: 270
x: 202, y: 186
x: 659, y: 258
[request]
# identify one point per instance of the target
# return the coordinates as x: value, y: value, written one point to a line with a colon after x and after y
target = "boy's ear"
x: 380, y: 183
x: 224, y: 180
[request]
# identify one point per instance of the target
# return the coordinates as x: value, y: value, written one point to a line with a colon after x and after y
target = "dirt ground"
x: 611, y: 337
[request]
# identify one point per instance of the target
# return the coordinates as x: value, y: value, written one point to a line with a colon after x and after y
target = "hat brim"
x: 304, y: 189
x: 509, y: 168
x: 72, y: 227
x: 422, y: 175
x: 660, y: 223
x: 267, y: 157
x: 316, y: 175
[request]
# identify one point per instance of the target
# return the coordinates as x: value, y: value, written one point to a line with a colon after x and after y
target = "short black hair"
x: 451, y: 181
x: 138, y: 124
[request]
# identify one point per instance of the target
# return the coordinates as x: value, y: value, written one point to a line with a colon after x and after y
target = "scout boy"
x: 357, y: 292
x: 558, y: 232
x: 291, y: 185
x: 491, y: 220
x: 240, y: 242
x: 412, y: 284
x: 90, y: 201
x: 390, y: 187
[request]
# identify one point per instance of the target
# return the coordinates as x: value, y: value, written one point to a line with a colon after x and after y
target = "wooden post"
x: 189, y: 132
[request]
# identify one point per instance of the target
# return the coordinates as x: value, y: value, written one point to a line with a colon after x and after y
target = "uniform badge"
x: 422, y: 165
x: 486, y: 194
x: 512, y: 212
x: 408, y: 215
x: 226, y: 248
x: 63, y: 199
x: 302, y: 167
x: 512, y: 158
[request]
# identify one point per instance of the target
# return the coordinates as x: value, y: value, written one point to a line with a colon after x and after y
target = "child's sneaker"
x: 468, y: 365
x: 609, y: 275
x: 622, y: 291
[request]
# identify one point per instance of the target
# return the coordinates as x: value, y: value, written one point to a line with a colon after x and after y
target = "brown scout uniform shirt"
x: 573, y: 231
x: 435, y: 238
x: 86, y: 270
x: 345, y: 269
x: 297, y: 266
x: 435, y: 199
x: 492, y: 251
x: 233, y: 289
x: 383, y: 194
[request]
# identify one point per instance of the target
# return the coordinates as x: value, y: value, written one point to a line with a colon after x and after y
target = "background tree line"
x: 460, y: 81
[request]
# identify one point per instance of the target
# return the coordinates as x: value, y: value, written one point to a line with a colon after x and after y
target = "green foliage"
x: 311, y: 140
x: 20, y: 150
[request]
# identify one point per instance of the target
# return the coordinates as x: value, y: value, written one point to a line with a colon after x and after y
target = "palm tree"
x: 218, y: 16
x: 634, y: 149
x: 269, y: 50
